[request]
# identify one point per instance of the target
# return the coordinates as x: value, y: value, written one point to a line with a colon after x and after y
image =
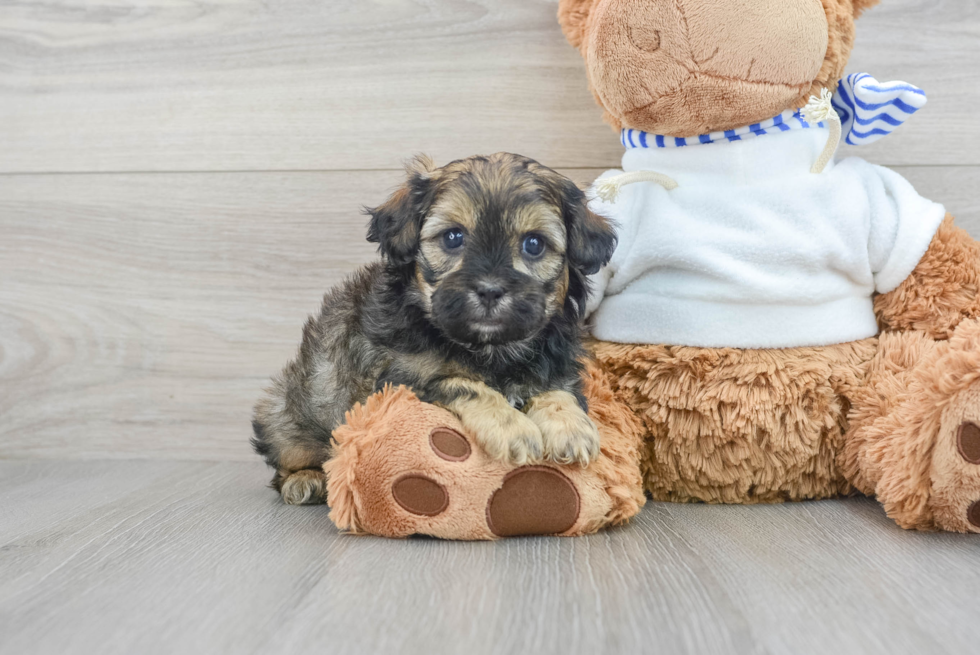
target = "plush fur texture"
x: 941, y: 292
x: 901, y: 446
x: 739, y: 426
x: 860, y: 6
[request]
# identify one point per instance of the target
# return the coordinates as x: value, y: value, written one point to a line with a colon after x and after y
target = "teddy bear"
x: 775, y: 325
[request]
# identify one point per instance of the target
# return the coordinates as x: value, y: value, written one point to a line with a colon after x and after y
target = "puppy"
x: 476, y: 305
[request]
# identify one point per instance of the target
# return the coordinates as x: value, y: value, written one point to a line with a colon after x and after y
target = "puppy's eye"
x: 533, y: 245
x: 452, y: 238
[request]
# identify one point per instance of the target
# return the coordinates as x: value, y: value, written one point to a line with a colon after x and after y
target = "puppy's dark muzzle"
x: 488, y: 306
x: 489, y: 294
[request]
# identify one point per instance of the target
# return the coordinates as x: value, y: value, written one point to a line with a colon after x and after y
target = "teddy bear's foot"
x: 532, y: 500
x: 403, y: 467
x: 915, y: 430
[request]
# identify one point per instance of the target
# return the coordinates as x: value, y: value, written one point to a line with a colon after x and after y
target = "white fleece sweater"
x: 754, y: 251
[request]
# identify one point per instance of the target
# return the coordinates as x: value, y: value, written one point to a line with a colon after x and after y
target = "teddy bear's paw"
x: 569, y: 435
x: 530, y: 500
x: 306, y: 487
x: 956, y: 464
x: 402, y: 467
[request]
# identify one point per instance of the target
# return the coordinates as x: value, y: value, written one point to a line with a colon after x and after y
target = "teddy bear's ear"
x: 572, y: 16
x: 861, y: 5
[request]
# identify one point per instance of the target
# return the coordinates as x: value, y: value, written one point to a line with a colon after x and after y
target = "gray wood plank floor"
x: 198, y: 557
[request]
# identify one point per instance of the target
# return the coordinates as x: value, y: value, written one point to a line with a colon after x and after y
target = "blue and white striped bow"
x: 870, y: 110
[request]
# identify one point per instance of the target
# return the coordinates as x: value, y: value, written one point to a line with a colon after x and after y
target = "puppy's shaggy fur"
x: 476, y: 305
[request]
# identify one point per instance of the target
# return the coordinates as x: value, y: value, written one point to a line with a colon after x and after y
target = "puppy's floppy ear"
x: 591, y: 237
x: 396, y: 225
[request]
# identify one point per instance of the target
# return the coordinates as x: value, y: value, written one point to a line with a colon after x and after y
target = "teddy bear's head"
x: 689, y: 67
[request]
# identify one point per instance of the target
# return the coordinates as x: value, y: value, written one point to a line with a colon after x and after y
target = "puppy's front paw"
x: 504, y: 434
x: 569, y: 434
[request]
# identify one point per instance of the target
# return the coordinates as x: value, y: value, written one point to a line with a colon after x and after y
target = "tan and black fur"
x: 488, y: 329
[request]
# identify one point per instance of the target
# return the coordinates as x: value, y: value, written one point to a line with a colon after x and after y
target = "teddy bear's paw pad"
x: 449, y: 445
x: 420, y: 495
x: 968, y: 444
x: 533, y: 500
x: 973, y: 514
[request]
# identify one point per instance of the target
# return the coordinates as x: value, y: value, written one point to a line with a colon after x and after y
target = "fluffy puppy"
x: 476, y: 305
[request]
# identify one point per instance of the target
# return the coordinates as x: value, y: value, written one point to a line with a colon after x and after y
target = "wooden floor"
x: 179, y: 184
x: 196, y: 557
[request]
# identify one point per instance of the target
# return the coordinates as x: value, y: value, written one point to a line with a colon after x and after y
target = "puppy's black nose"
x: 489, y: 293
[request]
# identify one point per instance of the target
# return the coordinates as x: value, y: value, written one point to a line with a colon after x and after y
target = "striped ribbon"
x: 868, y: 110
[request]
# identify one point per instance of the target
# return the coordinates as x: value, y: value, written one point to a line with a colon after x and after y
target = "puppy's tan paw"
x: 504, y: 434
x: 569, y: 434
x: 306, y: 487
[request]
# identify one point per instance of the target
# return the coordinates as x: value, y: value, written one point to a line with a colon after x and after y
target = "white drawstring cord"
x: 820, y: 110
x: 607, y: 189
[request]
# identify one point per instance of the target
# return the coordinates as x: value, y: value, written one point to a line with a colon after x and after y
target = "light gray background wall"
x: 180, y: 182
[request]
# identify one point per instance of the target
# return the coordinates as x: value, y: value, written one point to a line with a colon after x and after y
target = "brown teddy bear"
x: 775, y: 325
